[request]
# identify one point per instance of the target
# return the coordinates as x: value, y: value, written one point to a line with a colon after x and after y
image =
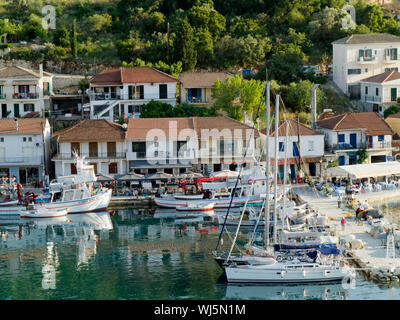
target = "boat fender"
x: 304, y: 273
x: 283, y: 274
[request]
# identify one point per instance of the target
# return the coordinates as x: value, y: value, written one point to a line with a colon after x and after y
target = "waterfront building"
x: 195, y: 87
x: 350, y: 134
x: 360, y: 56
x: 381, y: 91
x: 304, y: 149
x: 115, y: 92
x: 393, y: 121
x: 101, y: 142
x: 24, y: 91
x: 174, y: 145
x: 25, y: 149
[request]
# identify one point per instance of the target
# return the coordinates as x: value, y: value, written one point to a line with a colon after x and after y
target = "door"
x: 312, y: 169
x: 130, y: 92
x: 75, y: 147
x: 27, y: 153
x: 4, y: 110
x: 342, y: 160
x: 93, y: 149
x: 295, y: 149
x: 16, y: 110
x: 369, y: 141
x: 163, y: 91
x: 353, y: 140
x: 94, y: 167
x: 73, y: 168
x: 141, y: 91
x: 111, y: 149
x: 393, y: 94
x: 292, y: 171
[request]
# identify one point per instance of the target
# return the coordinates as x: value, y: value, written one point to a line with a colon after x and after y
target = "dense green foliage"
x: 393, y: 109
x: 274, y: 37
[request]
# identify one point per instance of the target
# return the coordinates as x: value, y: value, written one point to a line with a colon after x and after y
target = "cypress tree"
x: 74, y: 42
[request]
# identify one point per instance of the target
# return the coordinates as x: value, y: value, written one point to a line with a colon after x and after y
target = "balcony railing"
x: 29, y: 95
x: 163, y: 154
x: 114, y: 96
x: 373, y: 98
x: 35, y: 160
x: 380, y: 145
x: 91, y: 155
x: 197, y: 100
x: 366, y: 59
x: 375, y: 145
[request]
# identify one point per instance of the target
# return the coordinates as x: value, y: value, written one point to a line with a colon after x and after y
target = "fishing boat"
x: 197, y: 207
x: 41, y: 212
x: 8, y: 202
x: 188, y: 196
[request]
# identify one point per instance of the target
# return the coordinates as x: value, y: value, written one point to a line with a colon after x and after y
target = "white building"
x: 24, y: 149
x: 381, y: 91
x: 360, y: 56
x: 306, y: 154
x: 348, y: 133
x: 23, y: 91
x: 173, y: 145
x: 101, y: 142
x: 121, y: 91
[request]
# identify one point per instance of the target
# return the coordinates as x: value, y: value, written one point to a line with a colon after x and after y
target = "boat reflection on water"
x: 77, y: 230
x: 322, y: 291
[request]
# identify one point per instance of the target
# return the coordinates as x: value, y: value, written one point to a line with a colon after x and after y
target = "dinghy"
x: 196, y: 207
x: 42, y: 212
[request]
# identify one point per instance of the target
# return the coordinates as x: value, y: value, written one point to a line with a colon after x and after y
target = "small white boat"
x: 196, y: 207
x: 41, y: 212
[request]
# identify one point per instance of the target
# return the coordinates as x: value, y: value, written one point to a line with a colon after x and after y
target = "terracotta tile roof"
x: 139, y: 128
x: 372, y: 122
x: 20, y: 73
x: 368, y: 38
x: 396, y: 115
x: 383, y: 77
x: 202, y: 79
x: 25, y: 126
x: 294, y: 129
x: 91, y: 130
x: 131, y: 75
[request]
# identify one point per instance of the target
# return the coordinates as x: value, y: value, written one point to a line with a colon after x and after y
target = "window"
x: 29, y: 107
x: 130, y: 109
x: 341, y: 138
x: 353, y: 71
x: 138, y: 109
x: 24, y: 139
x: 1, y: 139
x: 30, y: 139
x: 281, y: 146
x: 163, y: 91
x: 391, y: 53
x: 377, y: 91
x: 139, y: 148
x: 365, y: 55
x: 390, y: 69
x: 366, y: 90
x: 113, y: 167
x: 73, y: 168
x: 366, y: 70
x: 380, y: 138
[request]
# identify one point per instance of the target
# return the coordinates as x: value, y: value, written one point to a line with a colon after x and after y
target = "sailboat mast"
x: 268, y: 164
x: 285, y: 170
x: 276, y: 167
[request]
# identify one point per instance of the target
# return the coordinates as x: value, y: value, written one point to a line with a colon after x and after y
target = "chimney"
x: 41, y: 70
x: 16, y: 124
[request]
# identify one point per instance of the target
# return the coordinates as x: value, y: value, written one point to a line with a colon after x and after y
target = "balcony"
x: 188, y: 154
x: 28, y: 95
x: 366, y: 60
x: 380, y: 145
x: 390, y: 59
x: 346, y: 146
x: 106, y: 155
x: 373, y: 99
x: 195, y: 100
x: 98, y: 96
x: 3, y: 96
x: 33, y: 160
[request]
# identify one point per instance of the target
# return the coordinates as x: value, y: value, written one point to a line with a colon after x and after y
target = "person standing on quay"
x: 343, y: 222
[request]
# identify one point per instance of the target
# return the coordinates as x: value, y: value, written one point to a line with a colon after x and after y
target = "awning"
x: 296, y: 160
x: 359, y: 171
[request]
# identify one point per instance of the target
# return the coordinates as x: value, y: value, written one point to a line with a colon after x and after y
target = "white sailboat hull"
x: 272, y: 274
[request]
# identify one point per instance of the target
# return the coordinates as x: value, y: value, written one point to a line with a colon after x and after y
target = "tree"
x: 393, y: 109
x: 156, y: 109
x: 62, y: 38
x: 74, y: 41
x: 287, y: 66
x: 99, y: 22
x: 297, y: 96
x: 33, y: 28
x: 204, y: 47
x: 185, y: 45
x: 236, y: 96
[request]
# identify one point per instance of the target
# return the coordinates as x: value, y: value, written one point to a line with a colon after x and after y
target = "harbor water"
x: 138, y: 254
